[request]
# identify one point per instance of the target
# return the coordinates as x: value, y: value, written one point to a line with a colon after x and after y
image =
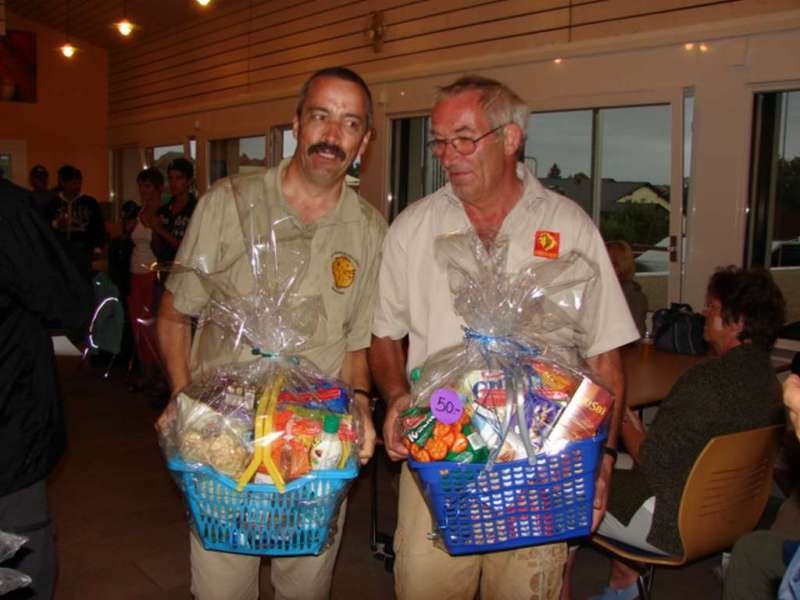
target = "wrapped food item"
x: 519, y: 396
x: 264, y: 446
x: 515, y: 379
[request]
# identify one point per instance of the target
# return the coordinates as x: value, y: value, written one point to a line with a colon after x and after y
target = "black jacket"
x: 38, y: 284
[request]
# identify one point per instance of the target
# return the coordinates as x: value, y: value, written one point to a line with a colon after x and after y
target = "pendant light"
x: 124, y: 25
x: 67, y: 49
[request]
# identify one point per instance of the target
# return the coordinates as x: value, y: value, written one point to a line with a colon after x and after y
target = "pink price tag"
x: 446, y: 405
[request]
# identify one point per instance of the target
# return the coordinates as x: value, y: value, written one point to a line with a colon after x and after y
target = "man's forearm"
x: 174, y: 339
x: 387, y: 363
x: 607, y: 367
x: 355, y: 373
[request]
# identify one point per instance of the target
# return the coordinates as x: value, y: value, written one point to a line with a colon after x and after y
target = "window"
x: 774, y: 215
x: 161, y: 156
x: 5, y: 166
x: 236, y: 155
x: 414, y: 172
x: 289, y: 143
x: 558, y: 151
x: 615, y: 163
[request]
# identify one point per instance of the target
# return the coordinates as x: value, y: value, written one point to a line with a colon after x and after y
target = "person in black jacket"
x: 78, y: 220
x: 39, y: 287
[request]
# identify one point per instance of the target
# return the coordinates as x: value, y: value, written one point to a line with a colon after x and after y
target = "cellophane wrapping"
x: 274, y: 420
x: 515, y: 387
x: 11, y: 579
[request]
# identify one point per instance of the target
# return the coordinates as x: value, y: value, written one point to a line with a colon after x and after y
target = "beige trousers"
x: 425, y: 572
x: 224, y: 576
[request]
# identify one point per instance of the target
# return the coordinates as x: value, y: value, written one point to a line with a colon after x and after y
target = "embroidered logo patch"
x: 546, y: 244
x: 343, y: 267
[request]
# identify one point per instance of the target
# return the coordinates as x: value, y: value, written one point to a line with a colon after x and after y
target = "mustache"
x: 329, y: 148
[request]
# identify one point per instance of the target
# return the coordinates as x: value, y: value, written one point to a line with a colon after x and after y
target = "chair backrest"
x: 727, y: 490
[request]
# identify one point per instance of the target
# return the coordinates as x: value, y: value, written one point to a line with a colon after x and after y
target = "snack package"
x: 248, y: 428
x: 514, y: 387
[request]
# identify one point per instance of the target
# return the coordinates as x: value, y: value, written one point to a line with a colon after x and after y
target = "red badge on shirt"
x: 546, y: 244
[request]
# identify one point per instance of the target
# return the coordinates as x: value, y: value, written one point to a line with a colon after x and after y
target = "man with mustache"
x: 478, y: 127
x: 337, y: 235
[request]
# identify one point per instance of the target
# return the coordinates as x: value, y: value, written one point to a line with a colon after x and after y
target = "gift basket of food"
x: 263, y: 447
x: 505, y: 430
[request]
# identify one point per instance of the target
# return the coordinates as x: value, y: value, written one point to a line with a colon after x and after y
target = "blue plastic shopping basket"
x: 513, y: 504
x: 259, y: 519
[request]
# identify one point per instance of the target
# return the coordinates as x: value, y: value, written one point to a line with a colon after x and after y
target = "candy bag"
x: 515, y: 379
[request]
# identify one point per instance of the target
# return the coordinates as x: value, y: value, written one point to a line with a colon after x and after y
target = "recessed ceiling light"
x: 203, y: 2
x: 125, y: 27
x: 557, y: 61
x: 68, y: 50
x: 688, y: 46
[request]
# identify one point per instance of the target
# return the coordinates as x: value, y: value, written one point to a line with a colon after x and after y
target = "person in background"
x: 39, y: 287
x: 175, y: 214
x: 78, y: 221
x: 43, y: 199
x: 621, y: 257
x: 142, y: 298
x: 737, y: 391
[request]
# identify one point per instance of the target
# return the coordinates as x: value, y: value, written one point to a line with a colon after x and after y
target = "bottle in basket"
x: 327, y: 451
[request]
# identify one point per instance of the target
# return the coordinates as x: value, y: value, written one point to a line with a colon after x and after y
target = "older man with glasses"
x: 478, y: 128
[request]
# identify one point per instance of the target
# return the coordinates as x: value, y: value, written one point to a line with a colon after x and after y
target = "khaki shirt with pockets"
x: 336, y: 259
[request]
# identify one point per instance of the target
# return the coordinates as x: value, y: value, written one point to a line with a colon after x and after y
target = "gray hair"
x: 501, y: 104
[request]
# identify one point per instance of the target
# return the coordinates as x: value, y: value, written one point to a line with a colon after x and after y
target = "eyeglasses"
x: 463, y: 145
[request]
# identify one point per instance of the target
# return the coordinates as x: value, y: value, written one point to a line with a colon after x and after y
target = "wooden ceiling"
x: 92, y: 20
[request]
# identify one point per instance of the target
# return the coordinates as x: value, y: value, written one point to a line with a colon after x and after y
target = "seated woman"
x: 735, y: 392
x: 621, y: 257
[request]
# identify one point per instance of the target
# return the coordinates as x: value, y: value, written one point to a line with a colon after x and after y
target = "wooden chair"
x: 724, y: 496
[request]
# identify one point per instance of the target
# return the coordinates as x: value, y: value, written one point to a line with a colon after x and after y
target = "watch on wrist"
x: 612, y: 452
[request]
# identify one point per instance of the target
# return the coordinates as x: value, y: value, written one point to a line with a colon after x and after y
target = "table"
x: 651, y: 373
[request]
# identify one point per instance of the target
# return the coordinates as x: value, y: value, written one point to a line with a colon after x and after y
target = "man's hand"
x: 391, y: 430
x: 167, y: 418
x: 367, y: 436
x: 791, y: 398
x: 601, y: 487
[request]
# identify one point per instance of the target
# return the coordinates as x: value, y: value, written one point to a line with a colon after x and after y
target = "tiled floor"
x: 122, y: 532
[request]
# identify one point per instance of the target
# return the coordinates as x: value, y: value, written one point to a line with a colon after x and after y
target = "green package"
x: 422, y: 431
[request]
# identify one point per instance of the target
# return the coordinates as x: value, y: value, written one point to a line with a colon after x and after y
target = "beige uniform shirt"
x: 337, y: 260
x: 414, y: 297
